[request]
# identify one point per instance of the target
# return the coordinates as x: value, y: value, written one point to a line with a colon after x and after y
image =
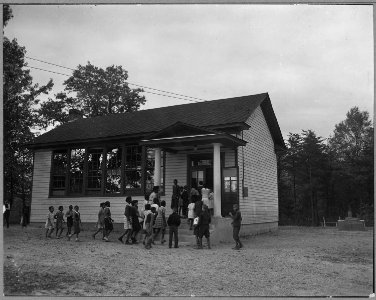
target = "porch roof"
x: 182, y: 134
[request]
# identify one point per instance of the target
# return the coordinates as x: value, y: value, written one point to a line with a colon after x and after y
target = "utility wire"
x: 143, y: 91
x: 142, y: 86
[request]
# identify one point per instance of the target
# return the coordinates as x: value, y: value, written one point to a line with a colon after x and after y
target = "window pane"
x: 59, y: 169
x: 133, y: 167
x: 76, y: 170
x: 234, y: 185
x: 113, y: 166
x: 94, y: 168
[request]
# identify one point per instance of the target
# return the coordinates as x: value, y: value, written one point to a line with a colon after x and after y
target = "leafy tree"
x: 7, y: 14
x: 96, y: 92
x: 20, y: 96
x: 352, y: 150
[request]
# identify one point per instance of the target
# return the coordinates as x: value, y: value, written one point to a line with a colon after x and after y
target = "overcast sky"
x: 315, y: 61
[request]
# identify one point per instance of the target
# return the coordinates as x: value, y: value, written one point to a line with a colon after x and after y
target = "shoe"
x: 120, y: 239
x: 240, y: 245
x: 93, y: 236
x: 128, y: 243
x: 106, y: 239
x: 76, y: 240
x: 236, y: 248
x: 169, y: 246
x: 163, y: 241
x: 176, y: 247
x: 134, y: 242
x: 191, y: 228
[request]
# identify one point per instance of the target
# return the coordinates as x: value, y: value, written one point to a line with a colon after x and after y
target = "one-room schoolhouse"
x: 229, y: 144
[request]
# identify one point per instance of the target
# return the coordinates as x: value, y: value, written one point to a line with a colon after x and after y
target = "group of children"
x: 55, y: 221
x: 150, y: 222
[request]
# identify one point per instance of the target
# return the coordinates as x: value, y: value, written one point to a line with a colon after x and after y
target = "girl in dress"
x: 50, y: 222
x: 108, y: 226
x: 76, y: 223
x: 69, y: 215
x: 100, y: 222
x: 191, y: 213
x: 160, y: 222
x: 59, y: 216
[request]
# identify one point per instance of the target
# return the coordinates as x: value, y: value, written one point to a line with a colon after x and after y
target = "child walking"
x: 76, y: 223
x: 127, y: 221
x: 173, y: 222
x: 160, y: 222
x: 50, y: 222
x: 108, y: 227
x: 147, y: 211
x: 149, y: 222
x: 69, y: 215
x: 59, y: 216
x: 100, y: 222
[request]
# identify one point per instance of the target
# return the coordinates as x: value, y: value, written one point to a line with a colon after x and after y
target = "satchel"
x: 195, y: 221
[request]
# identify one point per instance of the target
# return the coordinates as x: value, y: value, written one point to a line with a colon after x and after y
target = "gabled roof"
x: 182, y: 134
x: 209, y: 114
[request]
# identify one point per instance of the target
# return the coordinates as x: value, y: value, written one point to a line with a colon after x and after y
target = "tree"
x: 351, y: 147
x: 96, y: 92
x: 20, y: 97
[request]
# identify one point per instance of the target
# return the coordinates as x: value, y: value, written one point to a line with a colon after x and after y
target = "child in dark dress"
x: 69, y: 215
x: 59, y: 216
x: 76, y: 223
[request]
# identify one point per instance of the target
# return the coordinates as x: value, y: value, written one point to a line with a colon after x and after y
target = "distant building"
x: 230, y: 144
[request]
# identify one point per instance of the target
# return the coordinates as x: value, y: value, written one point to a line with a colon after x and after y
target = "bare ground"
x: 295, y: 261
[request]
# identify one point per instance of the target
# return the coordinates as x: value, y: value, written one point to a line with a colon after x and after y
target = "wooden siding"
x: 260, y: 173
x: 89, y: 206
x: 229, y: 158
x: 176, y: 168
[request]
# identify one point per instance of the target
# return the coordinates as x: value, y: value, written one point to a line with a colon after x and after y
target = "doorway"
x: 230, y: 190
x: 201, y: 169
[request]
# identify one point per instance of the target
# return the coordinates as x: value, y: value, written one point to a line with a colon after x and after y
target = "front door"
x: 201, y: 169
x: 230, y: 190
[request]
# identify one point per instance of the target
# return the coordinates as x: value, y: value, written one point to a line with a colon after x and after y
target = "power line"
x: 142, y: 86
x: 142, y: 92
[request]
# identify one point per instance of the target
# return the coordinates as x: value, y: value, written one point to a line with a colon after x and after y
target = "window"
x: 133, y: 160
x: 230, y: 180
x: 94, y: 171
x: 113, y: 171
x: 76, y: 171
x: 59, y: 167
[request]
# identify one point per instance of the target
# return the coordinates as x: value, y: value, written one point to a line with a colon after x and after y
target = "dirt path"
x: 292, y: 262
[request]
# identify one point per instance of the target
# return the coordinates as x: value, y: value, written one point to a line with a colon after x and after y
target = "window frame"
x: 140, y: 191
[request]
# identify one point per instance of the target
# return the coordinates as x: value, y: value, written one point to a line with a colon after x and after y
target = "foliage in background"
x: 325, y: 180
x: 96, y: 91
x: 19, y: 97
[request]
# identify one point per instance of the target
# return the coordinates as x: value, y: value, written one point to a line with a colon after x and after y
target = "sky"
x: 315, y: 61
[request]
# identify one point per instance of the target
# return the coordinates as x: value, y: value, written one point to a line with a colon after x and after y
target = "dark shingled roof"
x: 203, y: 114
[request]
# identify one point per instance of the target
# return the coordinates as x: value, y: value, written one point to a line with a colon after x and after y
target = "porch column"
x: 157, y: 167
x: 217, y: 179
